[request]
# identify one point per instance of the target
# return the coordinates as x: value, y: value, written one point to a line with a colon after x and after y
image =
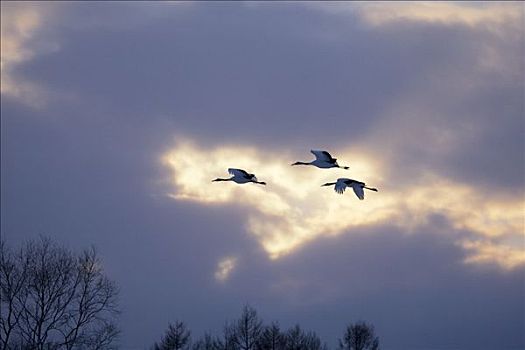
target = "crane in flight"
x: 358, y: 186
x: 322, y: 160
x: 241, y: 177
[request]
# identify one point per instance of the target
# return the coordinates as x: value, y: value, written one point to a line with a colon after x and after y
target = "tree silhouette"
x: 228, y: 338
x: 205, y: 343
x: 249, y: 333
x: 359, y: 336
x: 272, y: 338
x: 177, y: 337
x: 13, y: 276
x: 53, y: 298
x: 247, y: 330
x: 297, y: 339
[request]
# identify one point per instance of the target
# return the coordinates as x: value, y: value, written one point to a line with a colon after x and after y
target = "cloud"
x: 499, y: 26
x: 224, y: 268
x: 446, y: 13
x: 505, y: 255
x: 21, y: 25
x: 31, y: 29
x: 462, y: 117
x: 294, y: 210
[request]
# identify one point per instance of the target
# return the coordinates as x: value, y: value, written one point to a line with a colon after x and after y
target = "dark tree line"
x: 249, y: 333
x: 52, y: 298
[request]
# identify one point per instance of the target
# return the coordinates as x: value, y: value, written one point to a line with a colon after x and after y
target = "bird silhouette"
x: 241, y: 177
x: 358, y: 186
x: 322, y: 160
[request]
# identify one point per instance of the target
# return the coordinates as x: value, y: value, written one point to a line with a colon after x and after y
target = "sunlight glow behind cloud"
x: 486, y: 252
x: 294, y: 210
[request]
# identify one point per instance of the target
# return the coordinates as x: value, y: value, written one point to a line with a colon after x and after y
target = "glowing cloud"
x: 507, y: 256
x: 293, y: 209
x: 225, y: 268
x: 20, y: 23
x: 449, y: 13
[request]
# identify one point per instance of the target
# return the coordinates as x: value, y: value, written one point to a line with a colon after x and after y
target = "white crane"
x: 241, y: 177
x: 357, y: 186
x: 322, y: 160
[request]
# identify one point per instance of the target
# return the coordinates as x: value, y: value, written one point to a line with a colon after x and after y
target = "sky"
x: 116, y: 116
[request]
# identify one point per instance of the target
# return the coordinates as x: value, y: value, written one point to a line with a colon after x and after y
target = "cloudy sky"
x: 116, y: 116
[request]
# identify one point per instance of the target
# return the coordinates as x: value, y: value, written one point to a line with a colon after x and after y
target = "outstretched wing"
x: 239, y: 173
x: 323, y: 156
x: 340, y: 186
x: 358, y: 190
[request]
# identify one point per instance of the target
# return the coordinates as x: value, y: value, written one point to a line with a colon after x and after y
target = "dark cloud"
x: 248, y: 74
x: 280, y: 75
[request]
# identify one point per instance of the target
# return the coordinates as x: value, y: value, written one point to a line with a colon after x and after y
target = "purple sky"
x: 116, y: 116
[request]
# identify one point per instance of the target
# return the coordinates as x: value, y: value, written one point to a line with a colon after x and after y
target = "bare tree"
x: 247, y: 330
x: 12, y: 281
x: 272, y: 338
x: 297, y: 339
x: 177, y: 337
x: 312, y: 341
x: 359, y: 336
x: 206, y: 343
x: 228, y: 341
x: 249, y: 333
x: 63, y: 300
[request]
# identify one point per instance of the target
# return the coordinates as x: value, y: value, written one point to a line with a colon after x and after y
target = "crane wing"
x: 239, y: 173
x: 358, y: 190
x: 340, y: 186
x: 323, y: 155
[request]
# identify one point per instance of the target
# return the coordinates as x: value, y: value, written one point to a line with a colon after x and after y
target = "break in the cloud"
x: 294, y: 210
